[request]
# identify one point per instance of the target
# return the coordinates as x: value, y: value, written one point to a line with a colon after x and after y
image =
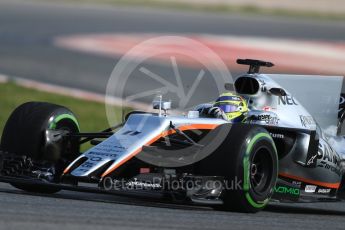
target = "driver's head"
x: 233, y: 106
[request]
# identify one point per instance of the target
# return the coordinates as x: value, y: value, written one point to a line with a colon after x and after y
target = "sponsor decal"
x: 328, y: 158
x: 87, y: 164
x: 334, y: 169
x: 287, y: 100
x: 264, y: 117
x: 95, y: 159
x: 277, y: 135
x: 327, y: 153
x: 112, y: 155
x: 310, y: 188
x: 268, y: 119
x: 234, y: 98
x: 229, y: 98
x: 311, y: 161
x: 142, y: 185
x: 324, y: 190
x: 104, y: 148
x: 287, y: 190
x: 307, y: 121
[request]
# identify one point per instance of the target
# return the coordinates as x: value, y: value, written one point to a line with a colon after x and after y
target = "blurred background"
x: 70, y: 47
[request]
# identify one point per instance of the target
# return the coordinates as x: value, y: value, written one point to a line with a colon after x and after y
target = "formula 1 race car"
x: 282, y: 152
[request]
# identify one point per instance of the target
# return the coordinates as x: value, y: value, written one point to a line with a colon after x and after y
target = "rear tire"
x: 24, y: 135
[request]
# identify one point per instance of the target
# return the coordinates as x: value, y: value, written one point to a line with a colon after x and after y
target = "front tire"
x: 24, y: 135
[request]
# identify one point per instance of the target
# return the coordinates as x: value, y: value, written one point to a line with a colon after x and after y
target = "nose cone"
x: 90, y: 166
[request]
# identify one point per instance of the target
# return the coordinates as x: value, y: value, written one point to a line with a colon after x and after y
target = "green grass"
x: 217, y: 8
x: 91, y: 115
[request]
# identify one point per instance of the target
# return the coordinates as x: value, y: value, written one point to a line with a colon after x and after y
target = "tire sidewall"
x: 244, y: 141
x: 258, y: 138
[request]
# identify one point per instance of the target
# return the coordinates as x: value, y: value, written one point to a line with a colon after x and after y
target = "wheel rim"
x: 261, y: 170
x: 67, y: 153
x: 69, y: 145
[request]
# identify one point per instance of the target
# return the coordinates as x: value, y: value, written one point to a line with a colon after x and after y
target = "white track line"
x: 3, y: 78
x: 70, y: 92
x: 324, y: 57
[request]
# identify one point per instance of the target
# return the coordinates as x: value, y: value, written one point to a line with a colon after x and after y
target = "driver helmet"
x: 234, y: 106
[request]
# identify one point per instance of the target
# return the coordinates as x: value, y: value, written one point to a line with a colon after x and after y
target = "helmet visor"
x: 228, y: 108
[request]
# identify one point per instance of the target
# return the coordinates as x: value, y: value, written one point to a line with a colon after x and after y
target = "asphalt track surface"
x: 71, y: 210
x: 26, y: 50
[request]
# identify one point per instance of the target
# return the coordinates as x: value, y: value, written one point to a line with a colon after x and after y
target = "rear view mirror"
x: 164, y: 105
x: 277, y: 91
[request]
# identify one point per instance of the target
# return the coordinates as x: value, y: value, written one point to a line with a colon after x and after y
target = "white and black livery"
x: 289, y: 148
